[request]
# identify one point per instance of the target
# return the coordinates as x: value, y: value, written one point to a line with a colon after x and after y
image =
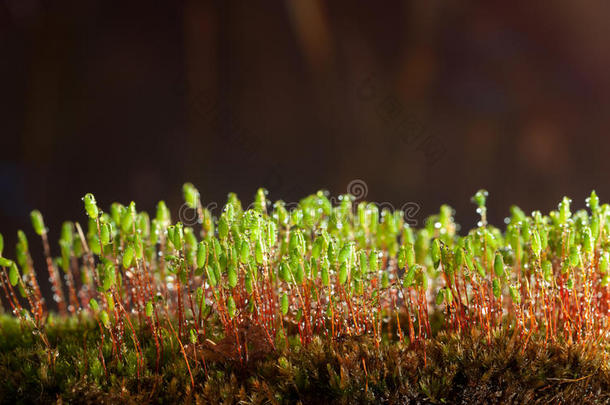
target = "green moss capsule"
x: 202, y: 254
x: 316, y: 249
x: 192, y: 336
x: 212, y: 280
x: 595, y: 227
x: 259, y: 252
x: 37, y: 222
x: 108, y: 278
x: 593, y: 202
x: 231, y: 308
x: 401, y: 258
x: 284, y: 304
x: 499, y: 265
x: 22, y: 241
x: 364, y: 262
x: 480, y: 198
x: 448, y: 295
x: 110, y: 301
x: 280, y: 214
x: 344, y: 254
x: 271, y: 234
x: 163, y: 216
x: 138, y: 247
x: 297, y: 241
x: 374, y: 260
x: 260, y: 200
x: 94, y: 305
x: 128, y: 256
x: 284, y: 271
x: 149, y: 308
x: 440, y: 296
x: 143, y: 224
x: 191, y: 195
x: 105, y: 233
x: 514, y: 294
x: 544, y: 238
x: 297, y: 217
x: 564, y: 210
x: 116, y: 210
x: 105, y: 319
x: 90, y: 206
x: 565, y: 266
x: 223, y: 228
x: 547, y: 271
x: 171, y: 230
x: 411, y: 259
x: 13, y: 274
x: 497, y: 290
x: 409, y: 277
x: 421, y: 278
x: 127, y: 221
x: 435, y: 253
x: 232, y: 276
x: 175, y: 234
x: 517, y: 214
x: 94, y: 244
x: 331, y: 253
x: 199, y: 299
x: 536, y: 243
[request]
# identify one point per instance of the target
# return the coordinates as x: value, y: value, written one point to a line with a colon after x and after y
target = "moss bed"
x: 324, y: 301
x: 456, y: 369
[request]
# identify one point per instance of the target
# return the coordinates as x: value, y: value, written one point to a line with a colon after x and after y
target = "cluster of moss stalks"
x: 312, y: 302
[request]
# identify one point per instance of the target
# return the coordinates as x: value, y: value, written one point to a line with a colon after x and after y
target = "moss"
x: 455, y: 369
x: 327, y: 302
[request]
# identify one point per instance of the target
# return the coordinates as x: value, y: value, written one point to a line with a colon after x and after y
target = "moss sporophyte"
x: 156, y: 299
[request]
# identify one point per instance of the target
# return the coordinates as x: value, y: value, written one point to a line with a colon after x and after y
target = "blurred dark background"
x: 425, y: 102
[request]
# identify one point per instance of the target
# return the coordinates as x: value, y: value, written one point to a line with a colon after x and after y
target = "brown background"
x: 424, y: 101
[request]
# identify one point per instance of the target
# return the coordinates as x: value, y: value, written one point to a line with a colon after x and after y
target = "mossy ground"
x: 311, y: 306
x: 456, y: 369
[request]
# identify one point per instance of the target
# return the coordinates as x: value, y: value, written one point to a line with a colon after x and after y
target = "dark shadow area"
x: 425, y: 102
